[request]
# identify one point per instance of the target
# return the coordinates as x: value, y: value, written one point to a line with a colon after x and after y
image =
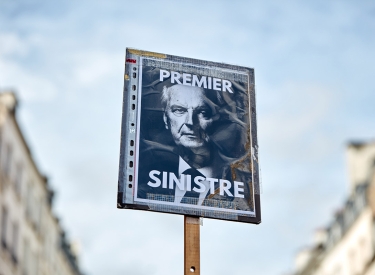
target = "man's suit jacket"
x: 154, y: 156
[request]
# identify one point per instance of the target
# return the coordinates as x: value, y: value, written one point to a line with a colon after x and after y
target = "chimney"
x: 360, y: 159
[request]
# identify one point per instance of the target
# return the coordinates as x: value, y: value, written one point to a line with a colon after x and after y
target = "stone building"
x: 32, y: 241
x: 347, y: 245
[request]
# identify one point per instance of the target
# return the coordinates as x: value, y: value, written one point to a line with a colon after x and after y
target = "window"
x: 352, y: 260
x: 4, y: 224
x: 14, y: 250
x: 36, y: 263
x: 8, y: 160
x: 1, y: 142
x: 28, y: 199
x: 26, y: 255
x: 364, y: 255
x: 40, y: 215
x: 18, y: 179
x: 35, y: 212
x: 337, y: 270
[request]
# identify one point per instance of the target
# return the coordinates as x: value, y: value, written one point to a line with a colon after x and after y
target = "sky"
x: 314, y: 70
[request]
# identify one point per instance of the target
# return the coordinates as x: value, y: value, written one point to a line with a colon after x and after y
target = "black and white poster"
x: 193, y: 151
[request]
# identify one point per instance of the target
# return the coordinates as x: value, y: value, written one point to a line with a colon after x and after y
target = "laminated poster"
x: 189, y: 140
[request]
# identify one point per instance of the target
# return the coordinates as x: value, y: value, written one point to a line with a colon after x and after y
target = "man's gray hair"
x: 165, y: 96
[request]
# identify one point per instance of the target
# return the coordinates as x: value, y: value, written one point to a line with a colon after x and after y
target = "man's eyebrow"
x: 203, y: 106
x: 177, y: 105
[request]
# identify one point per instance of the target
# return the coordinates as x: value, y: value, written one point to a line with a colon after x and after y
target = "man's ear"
x: 165, y: 121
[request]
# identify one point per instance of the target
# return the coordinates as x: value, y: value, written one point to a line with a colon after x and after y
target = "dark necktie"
x: 191, y: 197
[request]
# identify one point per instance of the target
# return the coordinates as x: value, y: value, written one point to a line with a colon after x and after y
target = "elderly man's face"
x: 188, y: 116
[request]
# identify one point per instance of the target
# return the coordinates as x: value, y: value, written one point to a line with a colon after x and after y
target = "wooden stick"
x: 192, y: 261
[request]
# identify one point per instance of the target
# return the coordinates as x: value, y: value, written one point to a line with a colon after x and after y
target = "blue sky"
x: 314, y: 66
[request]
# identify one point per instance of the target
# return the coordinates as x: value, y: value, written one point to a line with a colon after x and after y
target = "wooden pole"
x: 192, y: 261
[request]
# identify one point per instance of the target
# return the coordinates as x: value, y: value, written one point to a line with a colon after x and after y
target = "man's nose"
x: 189, y: 117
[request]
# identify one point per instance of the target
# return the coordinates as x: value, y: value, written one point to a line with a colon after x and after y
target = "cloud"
x: 93, y: 67
x: 11, y: 44
x: 30, y: 85
x: 293, y: 116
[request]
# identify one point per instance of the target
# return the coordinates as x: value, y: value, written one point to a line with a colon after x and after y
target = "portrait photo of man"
x: 194, y: 141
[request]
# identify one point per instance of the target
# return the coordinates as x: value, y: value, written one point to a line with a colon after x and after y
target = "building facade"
x: 347, y: 245
x: 32, y: 241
